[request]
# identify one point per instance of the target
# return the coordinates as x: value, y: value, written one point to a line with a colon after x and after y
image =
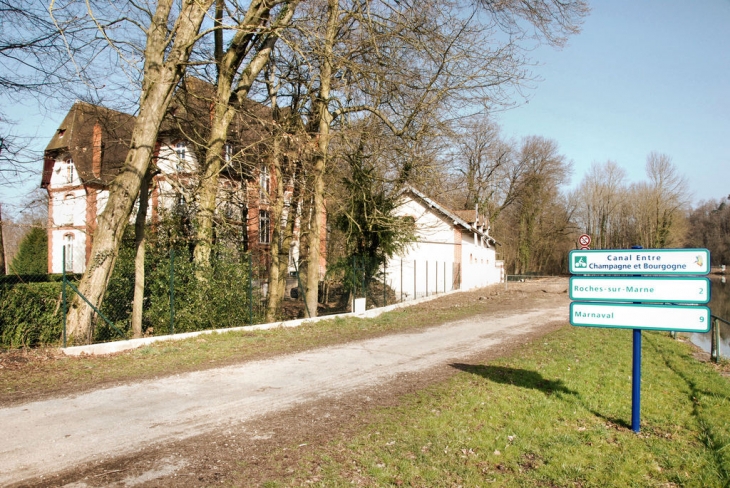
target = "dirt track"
x: 185, y: 427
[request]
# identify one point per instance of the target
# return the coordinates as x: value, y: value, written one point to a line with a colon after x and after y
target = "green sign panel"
x: 675, y: 318
x: 679, y: 289
x: 640, y: 262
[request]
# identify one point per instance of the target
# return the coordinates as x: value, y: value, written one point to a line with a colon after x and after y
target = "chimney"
x: 96, y: 151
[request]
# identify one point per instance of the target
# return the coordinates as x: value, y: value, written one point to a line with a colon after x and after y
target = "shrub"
x: 30, y: 314
x: 32, y: 257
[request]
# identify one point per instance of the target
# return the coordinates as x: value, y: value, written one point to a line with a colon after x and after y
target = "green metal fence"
x: 33, y: 309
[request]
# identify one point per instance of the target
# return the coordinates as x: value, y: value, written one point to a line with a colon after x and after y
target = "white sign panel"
x: 681, y: 289
x: 640, y: 262
x: 636, y: 316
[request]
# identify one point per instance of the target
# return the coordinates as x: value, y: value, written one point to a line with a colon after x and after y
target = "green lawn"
x: 556, y: 414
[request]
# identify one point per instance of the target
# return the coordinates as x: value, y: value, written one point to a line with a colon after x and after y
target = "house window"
x: 68, y: 247
x: 227, y: 153
x: 180, y: 150
x: 264, y: 227
x: 68, y: 209
x: 69, y: 171
x: 264, y: 179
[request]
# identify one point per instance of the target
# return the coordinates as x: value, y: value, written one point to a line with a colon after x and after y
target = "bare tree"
x: 669, y: 197
x: 399, y: 60
x: 484, y: 161
x: 34, y: 63
x: 709, y: 227
x: 538, y: 215
x: 599, y: 198
x: 170, y: 37
x: 238, y: 67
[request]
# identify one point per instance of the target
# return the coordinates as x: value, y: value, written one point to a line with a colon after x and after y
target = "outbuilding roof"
x: 465, y: 219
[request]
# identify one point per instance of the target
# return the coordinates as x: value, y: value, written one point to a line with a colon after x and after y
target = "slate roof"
x: 466, y: 219
x: 75, y: 136
x: 187, y: 118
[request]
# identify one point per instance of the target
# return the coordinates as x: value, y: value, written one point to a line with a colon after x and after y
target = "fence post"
x: 364, y: 281
x: 385, y: 268
x: 444, y: 276
x: 250, y: 289
x: 715, y: 340
x: 63, y: 291
x: 436, y: 281
x: 415, y: 287
x: 401, y: 279
x: 172, y: 290
x: 427, y: 277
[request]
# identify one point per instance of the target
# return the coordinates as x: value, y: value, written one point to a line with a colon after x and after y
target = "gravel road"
x: 46, y: 437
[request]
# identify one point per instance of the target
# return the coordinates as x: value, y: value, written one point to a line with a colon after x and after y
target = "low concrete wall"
x: 119, y: 346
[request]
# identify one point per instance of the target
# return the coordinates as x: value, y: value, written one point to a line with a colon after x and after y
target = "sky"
x: 642, y: 76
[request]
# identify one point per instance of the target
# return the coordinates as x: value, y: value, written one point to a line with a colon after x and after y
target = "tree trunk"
x: 164, y: 66
x: 139, y: 244
x: 275, y: 288
x: 224, y: 112
x: 2, y: 246
x: 320, y: 159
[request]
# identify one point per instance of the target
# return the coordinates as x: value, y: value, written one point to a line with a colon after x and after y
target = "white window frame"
x: 264, y: 227
x: 181, y: 149
x: 68, y: 245
x: 264, y: 183
x: 68, y: 170
x: 69, y: 208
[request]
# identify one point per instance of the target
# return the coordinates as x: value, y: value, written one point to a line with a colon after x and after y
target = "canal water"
x: 720, y: 307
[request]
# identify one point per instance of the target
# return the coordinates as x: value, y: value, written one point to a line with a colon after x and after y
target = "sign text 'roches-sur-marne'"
x: 678, y: 289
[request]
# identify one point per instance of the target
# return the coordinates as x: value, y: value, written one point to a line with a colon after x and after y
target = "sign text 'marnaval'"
x: 640, y: 261
x: 634, y: 316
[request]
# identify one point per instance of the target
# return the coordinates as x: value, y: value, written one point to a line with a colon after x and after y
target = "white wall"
x: 167, y: 160
x: 424, y: 265
x: 69, y: 208
x: 427, y: 266
x: 60, y: 175
x: 479, y: 266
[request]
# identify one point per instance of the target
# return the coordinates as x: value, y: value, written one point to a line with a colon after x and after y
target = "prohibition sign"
x: 584, y: 240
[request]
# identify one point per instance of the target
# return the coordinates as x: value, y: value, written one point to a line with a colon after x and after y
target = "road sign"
x: 585, y: 248
x: 640, y: 262
x: 680, y: 289
x: 584, y: 240
x: 676, y: 318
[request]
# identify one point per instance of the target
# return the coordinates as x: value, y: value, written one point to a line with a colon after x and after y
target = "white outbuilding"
x: 452, y: 250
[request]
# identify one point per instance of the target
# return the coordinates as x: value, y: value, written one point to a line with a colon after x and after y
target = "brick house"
x: 89, y: 149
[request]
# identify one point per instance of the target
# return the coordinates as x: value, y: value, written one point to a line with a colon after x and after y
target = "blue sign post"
x: 636, y: 383
x: 636, y: 378
x: 640, y: 301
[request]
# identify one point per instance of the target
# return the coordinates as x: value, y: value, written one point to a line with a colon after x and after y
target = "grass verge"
x: 555, y: 414
x: 32, y: 374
